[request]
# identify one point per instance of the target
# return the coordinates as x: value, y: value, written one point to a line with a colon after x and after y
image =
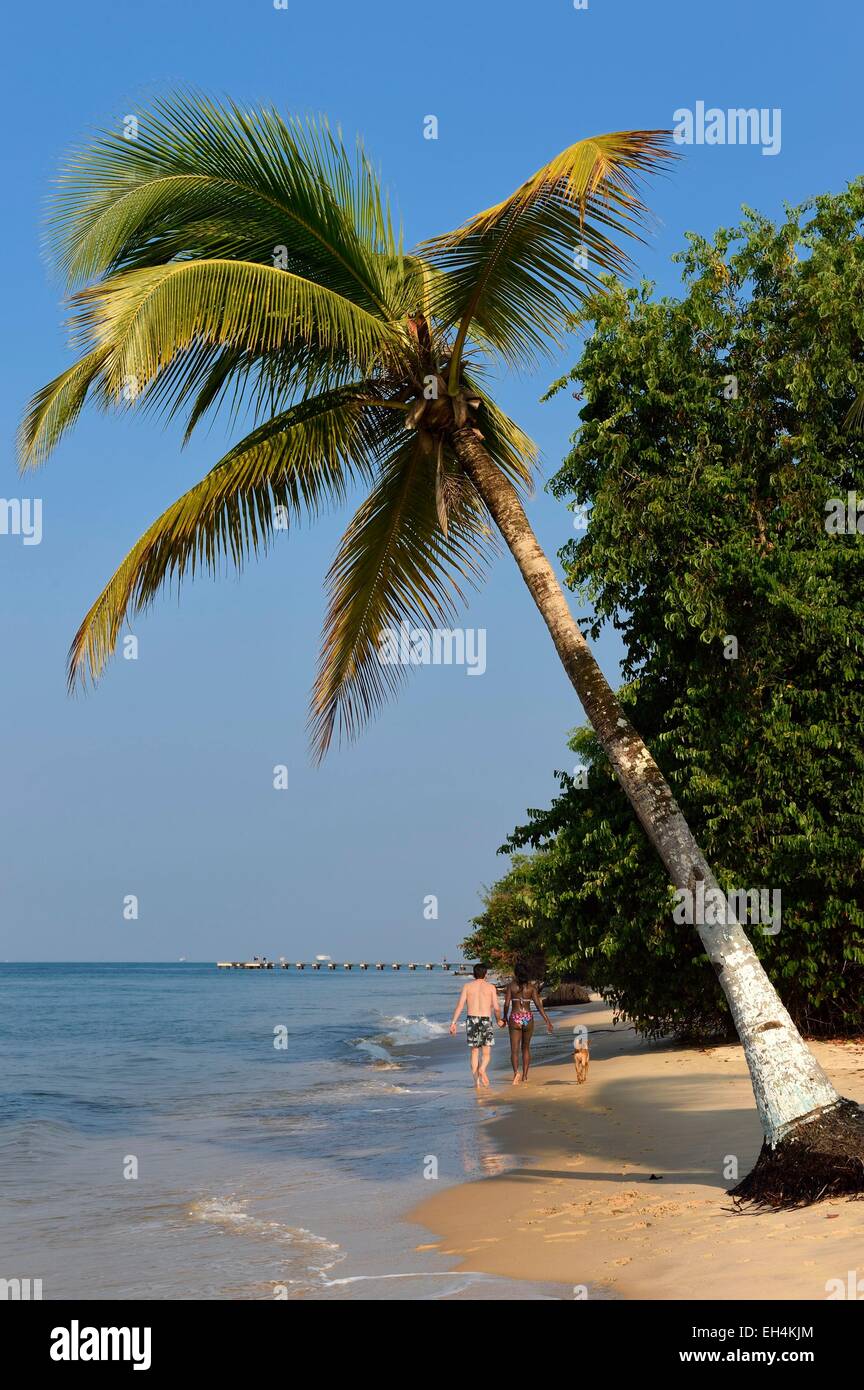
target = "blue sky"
x: 159, y: 783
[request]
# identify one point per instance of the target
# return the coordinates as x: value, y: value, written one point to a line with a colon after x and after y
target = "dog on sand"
x: 580, y: 1060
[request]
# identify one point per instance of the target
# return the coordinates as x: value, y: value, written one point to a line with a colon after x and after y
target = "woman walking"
x: 521, y: 995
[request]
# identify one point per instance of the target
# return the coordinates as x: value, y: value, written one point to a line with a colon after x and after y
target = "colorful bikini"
x: 520, y: 1018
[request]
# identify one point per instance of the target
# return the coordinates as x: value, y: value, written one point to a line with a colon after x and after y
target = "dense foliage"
x: 714, y: 433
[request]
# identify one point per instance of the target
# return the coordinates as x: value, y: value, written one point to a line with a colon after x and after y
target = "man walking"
x: 481, y: 999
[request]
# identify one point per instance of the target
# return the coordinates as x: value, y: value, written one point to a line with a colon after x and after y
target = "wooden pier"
x: 265, y: 964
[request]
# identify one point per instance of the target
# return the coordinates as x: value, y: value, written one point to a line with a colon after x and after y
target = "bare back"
x: 480, y: 997
x: 521, y: 997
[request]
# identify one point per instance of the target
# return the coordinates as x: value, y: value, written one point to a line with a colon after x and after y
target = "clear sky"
x: 160, y: 783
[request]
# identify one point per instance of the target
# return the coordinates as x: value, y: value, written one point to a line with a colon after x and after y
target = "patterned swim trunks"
x: 478, y: 1031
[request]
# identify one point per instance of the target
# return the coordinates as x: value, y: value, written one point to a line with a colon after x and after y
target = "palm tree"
x: 229, y: 256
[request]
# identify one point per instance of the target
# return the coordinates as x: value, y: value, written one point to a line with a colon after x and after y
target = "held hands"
x: 550, y: 1028
x: 452, y: 1027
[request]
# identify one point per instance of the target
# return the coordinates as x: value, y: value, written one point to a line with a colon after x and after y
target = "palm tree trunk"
x: 791, y: 1090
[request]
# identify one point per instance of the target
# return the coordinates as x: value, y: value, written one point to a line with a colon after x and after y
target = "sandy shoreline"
x: 577, y: 1204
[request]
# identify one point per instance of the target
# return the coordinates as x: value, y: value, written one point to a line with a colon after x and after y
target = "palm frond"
x: 515, y: 270
x: 263, y: 384
x: 147, y: 317
x: 601, y: 168
x: 56, y: 407
x: 299, y: 461
x: 202, y: 179
x: 395, y: 564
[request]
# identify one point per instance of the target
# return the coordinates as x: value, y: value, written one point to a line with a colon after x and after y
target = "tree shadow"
x: 660, y: 1125
x: 690, y: 1176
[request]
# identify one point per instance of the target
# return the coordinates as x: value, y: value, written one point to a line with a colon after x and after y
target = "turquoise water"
x: 154, y: 1143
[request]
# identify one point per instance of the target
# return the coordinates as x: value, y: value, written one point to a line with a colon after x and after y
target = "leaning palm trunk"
x: 796, y: 1102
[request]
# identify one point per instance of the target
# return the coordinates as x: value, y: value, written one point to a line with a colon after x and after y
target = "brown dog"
x: 580, y: 1061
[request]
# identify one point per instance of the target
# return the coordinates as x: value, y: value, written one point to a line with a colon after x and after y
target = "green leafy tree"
x: 228, y: 253
x: 513, y: 925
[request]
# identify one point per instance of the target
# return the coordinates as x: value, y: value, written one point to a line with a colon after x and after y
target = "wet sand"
x: 617, y: 1188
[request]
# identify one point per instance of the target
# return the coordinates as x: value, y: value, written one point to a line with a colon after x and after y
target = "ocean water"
x: 156, y: 1144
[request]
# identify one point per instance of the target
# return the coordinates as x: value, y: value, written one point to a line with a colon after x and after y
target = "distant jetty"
x: 265, y: 964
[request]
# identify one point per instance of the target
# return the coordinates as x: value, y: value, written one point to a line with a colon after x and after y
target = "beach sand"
x: 577, y: 1204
